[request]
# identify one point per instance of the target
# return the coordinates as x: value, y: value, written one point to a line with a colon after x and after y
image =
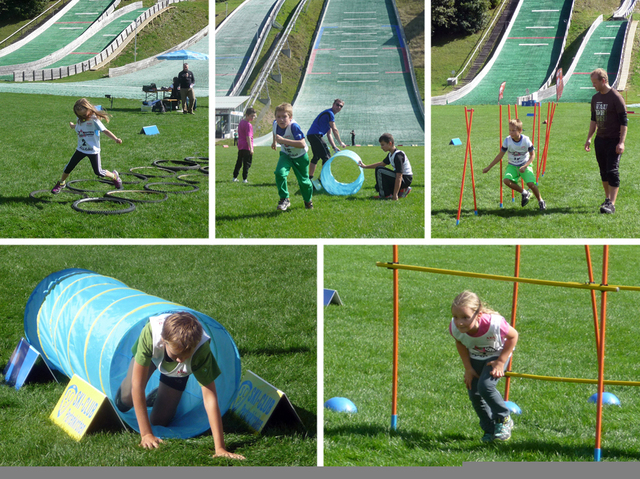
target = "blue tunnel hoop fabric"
x: 85, y: 323
x: 334, y: 187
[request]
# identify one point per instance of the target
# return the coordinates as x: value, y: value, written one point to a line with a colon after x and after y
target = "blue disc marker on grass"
x: 339, y: 404
x: 607, y: 399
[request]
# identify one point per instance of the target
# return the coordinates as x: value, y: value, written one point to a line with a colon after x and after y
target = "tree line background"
x: 459, y: 16
x: 21, y: 9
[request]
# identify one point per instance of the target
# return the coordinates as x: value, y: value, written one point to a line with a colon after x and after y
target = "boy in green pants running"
x: 293, y: 155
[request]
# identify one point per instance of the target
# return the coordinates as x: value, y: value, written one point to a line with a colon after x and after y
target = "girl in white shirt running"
x: 88, y: 129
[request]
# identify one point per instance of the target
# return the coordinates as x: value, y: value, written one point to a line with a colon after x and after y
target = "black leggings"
x: 93, y: 158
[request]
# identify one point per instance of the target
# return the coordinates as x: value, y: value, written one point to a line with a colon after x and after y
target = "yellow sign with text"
x: 259, y: 403
x: 77, y: 407
x: 256, y: 400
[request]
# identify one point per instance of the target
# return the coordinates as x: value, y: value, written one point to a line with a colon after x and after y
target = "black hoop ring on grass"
x: 177, y: 165
x: 195, y: 188
x: 129, y: 206
x: 154, y: 170
x: 80, y: 190
x: 201, y: 160
x: 140, y: 178
x: 190, y: 177
x: 49, y: 200
x: 205, y: 170
x: 112, y: 194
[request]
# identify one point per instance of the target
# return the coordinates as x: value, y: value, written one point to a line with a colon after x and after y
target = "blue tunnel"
x: 85, y: 323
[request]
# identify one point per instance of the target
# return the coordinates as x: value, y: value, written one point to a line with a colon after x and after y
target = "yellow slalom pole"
x: 571, y: 380
x: 468, y: 274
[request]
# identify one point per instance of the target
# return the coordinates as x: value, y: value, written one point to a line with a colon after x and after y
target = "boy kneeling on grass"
x: 391, y: 184
x: 521, y: 154
x: 177, y: 346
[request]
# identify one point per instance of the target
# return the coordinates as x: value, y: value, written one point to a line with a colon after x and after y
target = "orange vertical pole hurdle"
x: 394, y: 399
x: 603, y: 322
x: 500, y: 146
x: 467, y: 153
x: 594, y: 304
x: 514, y: 308
x: 539, y: 159
x: 546, y: 149
x: 515, y: 117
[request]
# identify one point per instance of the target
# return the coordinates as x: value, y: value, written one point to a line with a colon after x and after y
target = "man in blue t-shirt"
x: 324, y: 124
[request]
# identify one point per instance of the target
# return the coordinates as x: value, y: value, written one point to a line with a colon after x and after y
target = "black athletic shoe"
x: 526, y: 196
x: 607, y: 207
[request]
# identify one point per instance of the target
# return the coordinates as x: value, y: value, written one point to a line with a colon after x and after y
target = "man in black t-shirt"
x: 609, y: 117
x: 187, y: 80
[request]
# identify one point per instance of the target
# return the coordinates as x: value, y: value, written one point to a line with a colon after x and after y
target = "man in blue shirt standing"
x: 324, y: 124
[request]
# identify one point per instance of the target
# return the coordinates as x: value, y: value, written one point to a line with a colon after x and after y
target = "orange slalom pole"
x: 533, y: 134
x: 546, y: 138
x: 539, y: 161
x: 514, y: 308
x: 516, y: 113
x: 468, y: 121
x: 473, y: 181
x: 500, y: 146
x: 603, y: 322
x: 594, y: 304
x: 550, y: 122
x: 394, y: 399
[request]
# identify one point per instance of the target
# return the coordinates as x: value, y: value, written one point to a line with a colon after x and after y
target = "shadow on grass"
x: 273, y: 351
x: 460, y: 442
x: 270, y: 214
x: 235, y: 424
x: 40, y: 203
x: 513, y: 212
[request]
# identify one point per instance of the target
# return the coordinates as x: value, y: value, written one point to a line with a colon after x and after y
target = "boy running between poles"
x: 521, y: 155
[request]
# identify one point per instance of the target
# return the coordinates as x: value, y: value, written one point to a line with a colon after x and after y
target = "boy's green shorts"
x: 513, y: 173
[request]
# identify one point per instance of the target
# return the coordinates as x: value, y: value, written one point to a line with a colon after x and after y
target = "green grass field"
x: 436, y: 423
x: 273, y: 327
x: 249, y: 210
x: 571, y: 185
x: 38, y: 143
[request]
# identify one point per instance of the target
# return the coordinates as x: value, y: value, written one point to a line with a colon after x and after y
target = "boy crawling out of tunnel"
x: 177, y: 346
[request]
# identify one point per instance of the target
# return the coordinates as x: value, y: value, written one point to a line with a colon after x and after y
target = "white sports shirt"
x: 518, y: 151
x: 89, y: 135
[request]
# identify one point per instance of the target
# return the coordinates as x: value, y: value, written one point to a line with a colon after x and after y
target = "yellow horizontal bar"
x: 513, y: 279
x: 571, y: 380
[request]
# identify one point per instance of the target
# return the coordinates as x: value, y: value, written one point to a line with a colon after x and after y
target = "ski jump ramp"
x: 601, y: 48
x: 526, y: 58
x: 360, y: 55
x: 239, y: 40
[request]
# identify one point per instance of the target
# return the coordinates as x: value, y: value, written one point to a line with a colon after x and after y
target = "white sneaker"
x: 235, y: 180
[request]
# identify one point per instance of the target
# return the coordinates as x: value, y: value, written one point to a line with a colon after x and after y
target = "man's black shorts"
x: 319, y: 148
